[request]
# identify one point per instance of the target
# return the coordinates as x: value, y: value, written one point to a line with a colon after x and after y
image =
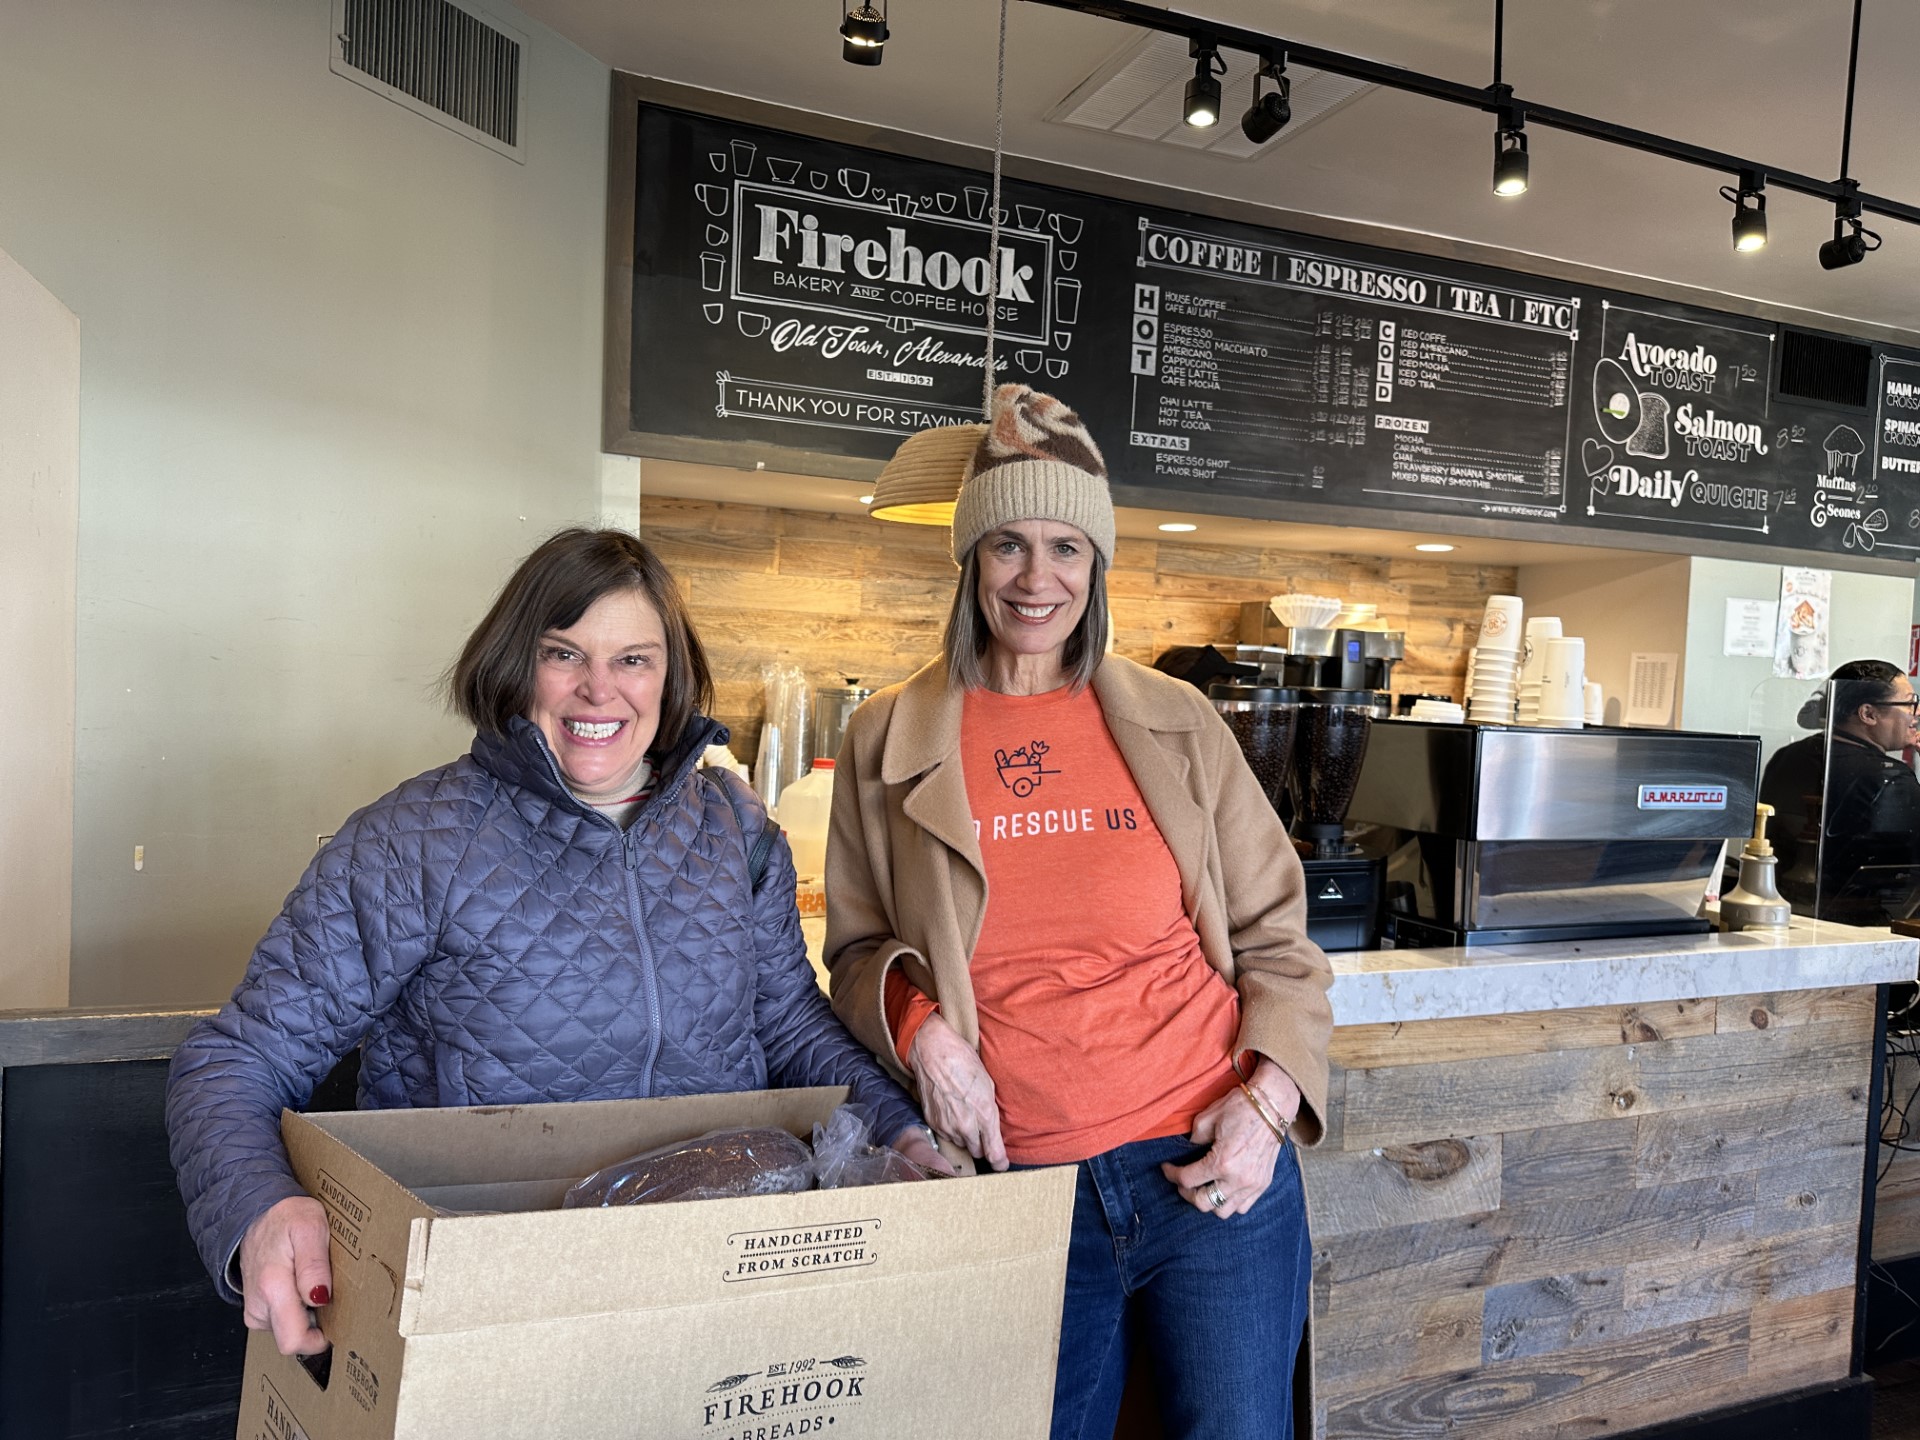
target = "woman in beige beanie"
x: 1061, y: 908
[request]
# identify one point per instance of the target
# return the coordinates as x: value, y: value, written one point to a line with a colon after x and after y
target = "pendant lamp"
x: 922, y: 480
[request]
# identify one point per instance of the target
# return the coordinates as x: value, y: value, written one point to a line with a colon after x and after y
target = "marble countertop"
x: 1372, y: 987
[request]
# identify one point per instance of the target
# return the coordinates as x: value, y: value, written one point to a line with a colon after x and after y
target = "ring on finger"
x: 1215, y: 1196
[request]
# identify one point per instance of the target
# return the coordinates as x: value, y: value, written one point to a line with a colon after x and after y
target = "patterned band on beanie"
x: 1036, y: 462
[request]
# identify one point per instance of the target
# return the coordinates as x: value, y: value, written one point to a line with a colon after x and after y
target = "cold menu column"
x: 1261, y: 369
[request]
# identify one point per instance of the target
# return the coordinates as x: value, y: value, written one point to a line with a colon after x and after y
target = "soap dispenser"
x: 1755, y: 903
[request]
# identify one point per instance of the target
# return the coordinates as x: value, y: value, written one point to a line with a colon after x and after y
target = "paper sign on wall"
x: 1800, y: 633
x: 1650, y: 686
x: 1750, y: 627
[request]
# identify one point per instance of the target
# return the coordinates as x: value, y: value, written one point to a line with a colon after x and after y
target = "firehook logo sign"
x: 789, y: 1398
x: 1683, y: 797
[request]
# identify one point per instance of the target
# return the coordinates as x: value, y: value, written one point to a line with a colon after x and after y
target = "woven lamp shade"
x: 922, y: 481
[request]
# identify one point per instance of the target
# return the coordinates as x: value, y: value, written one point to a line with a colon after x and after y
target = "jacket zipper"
x: 649, y: 970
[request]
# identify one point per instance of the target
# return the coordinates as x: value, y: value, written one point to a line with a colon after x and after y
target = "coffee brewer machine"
x: 1344, y: 658
x: 1306, y: 746
x: 1504, y: 834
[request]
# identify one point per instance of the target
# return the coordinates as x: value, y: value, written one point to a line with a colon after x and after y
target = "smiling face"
x: 596, y: 693
x: 1034, y: 580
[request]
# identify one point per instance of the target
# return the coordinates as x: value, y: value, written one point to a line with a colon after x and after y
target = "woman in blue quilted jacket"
x: 571, y: 911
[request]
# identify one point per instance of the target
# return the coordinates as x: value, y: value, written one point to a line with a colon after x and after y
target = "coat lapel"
x: 1141, y: 722
x: 923, y: 749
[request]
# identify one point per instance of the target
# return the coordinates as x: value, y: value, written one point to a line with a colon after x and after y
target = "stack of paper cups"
x: 1540, y: 629
x: 1596, y: 706
x: 1495, y: 660
x: 1563, y: 683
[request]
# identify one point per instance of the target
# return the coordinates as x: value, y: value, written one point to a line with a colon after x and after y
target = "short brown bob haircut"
x: 492, y: 681
x: 967, y: 635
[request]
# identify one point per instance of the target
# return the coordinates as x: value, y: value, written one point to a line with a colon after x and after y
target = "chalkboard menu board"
x: 800, y: 294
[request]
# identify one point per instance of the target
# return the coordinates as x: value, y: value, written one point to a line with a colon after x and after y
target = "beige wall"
x: 1620, y: 606
x: 39, y: 499
x: 342, y: 368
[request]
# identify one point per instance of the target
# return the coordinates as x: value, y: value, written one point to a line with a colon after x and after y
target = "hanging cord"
x: 993, y: 213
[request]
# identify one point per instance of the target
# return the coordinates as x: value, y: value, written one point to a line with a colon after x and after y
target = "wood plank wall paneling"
x: 1587, y: 1221
x: 843, y: 595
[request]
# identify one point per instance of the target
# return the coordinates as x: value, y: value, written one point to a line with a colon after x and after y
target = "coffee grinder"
x: 1305, y: 747
x: 1344, y: 883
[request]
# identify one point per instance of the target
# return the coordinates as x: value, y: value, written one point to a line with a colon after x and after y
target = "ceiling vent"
x: 1825, y: 368
x: 1141, y: 90
x: 458, y: 67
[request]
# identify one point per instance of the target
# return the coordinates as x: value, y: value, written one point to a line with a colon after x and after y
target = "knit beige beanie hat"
x: 1036, y: 462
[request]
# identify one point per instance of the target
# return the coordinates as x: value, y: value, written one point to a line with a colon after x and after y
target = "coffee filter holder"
x: 1304, y: 612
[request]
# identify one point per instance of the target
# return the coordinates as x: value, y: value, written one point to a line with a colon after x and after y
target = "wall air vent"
x: 1825, y: 368
x: 1139, y: 92
x: 457, y: 66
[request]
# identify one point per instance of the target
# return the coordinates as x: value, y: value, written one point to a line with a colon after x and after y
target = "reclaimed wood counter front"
x: 1582, y: 1218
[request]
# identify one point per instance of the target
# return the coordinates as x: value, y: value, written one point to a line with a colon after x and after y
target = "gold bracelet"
x: 1274, y: 1123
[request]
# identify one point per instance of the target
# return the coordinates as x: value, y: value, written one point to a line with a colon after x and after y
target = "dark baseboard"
x: 1840, y: 1411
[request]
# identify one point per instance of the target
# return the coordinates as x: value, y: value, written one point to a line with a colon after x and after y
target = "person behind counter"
x: 1061, y: 905
x: 569, y: 912
x: 1863, y: 870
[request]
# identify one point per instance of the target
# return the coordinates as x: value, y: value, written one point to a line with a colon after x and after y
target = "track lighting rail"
x: 1484, y: 98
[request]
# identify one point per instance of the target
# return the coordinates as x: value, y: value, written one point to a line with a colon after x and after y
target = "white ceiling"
x: 1765, y: 79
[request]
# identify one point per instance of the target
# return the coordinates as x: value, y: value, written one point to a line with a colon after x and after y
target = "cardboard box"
x: 892, y: 1311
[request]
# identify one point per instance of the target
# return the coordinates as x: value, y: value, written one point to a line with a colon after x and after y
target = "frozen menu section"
x: 1266, y: 370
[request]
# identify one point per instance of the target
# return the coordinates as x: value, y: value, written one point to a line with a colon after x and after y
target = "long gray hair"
x: 967, y: 635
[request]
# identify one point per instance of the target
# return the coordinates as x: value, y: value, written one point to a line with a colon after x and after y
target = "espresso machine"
x: 1306, y: 747
x: 1500, y: 834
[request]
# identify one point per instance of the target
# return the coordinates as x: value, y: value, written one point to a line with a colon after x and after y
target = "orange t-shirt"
x: 1100, y: 1020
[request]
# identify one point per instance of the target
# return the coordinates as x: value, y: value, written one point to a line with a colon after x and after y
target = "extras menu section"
x: 797, y: 294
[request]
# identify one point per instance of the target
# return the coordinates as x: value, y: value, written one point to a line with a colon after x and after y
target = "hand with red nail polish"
x: 283, y: 1257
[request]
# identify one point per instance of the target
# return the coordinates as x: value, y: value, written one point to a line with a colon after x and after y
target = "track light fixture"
x: 1849, y: 245
x: 1268, y: 115
x: 1510, y: 159
x: 863, y: 33
x: 1203, y: 90
x: 1749, y: 211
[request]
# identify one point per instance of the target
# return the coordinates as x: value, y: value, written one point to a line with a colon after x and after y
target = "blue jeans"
x: 1218, y: 1305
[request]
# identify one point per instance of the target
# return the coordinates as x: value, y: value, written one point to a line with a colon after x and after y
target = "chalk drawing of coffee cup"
x: 1066, y: 300
x: 1068, y: 258
x: 714, y: 197
x: 944, y: 203
x: 855, y: 182
x: 1029, y: 360
x: 784, y: 172
x: 714, y: 313
x: 1029, y: 216
x: 718, y: 235
x: 1067, y: 227
x: 904, y: 205
x: 818, y: 179
x: 717, y: 159
x: 976, y: 202
x: 1056, y: 368
x: 713, y: 271
x: 1000, y: 214
x: 899, y: 324
x: 752, y: 323
x: 1062, y: 339
x: 743, y: 153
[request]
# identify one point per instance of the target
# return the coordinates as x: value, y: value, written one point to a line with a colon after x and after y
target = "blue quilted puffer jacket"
x: 486, y: 939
